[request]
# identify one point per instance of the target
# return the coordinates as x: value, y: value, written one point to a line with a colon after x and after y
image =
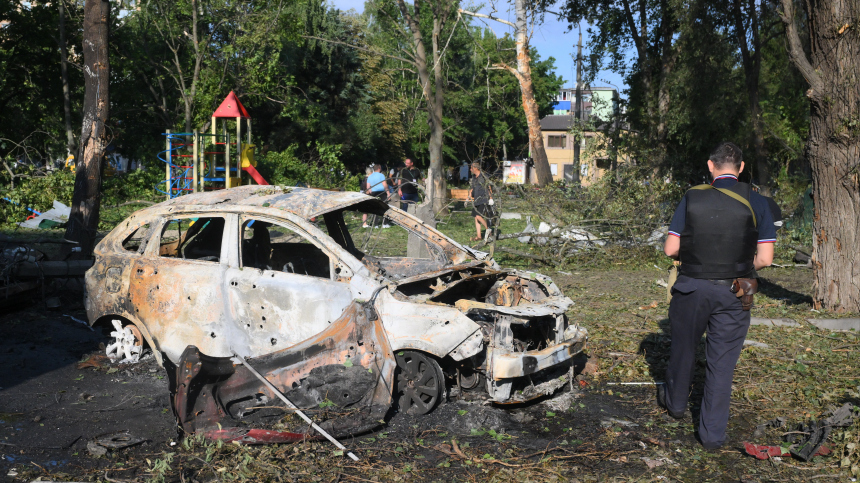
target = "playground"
x: 205, y: 161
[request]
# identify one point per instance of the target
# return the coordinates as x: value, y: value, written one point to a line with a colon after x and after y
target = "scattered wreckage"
x: 331, y: 316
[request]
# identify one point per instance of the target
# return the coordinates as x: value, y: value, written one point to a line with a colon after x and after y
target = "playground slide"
x: 258, y: 178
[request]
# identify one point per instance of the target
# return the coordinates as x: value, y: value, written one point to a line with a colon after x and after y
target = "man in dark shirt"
x: 407, y: 184
x: 482, y: 195
x: 719, y: 235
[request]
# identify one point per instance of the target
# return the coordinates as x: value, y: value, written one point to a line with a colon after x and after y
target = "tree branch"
x: 491, y: 17
x: 796, y: 53
x: 356, y: 47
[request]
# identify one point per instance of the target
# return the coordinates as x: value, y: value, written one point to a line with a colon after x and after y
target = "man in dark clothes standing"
x: 721, y: 233
x: 407, y: 184
x: 482, y: 195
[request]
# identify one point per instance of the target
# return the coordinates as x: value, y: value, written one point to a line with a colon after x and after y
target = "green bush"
x: 320, y: 167
x: 38, y: 193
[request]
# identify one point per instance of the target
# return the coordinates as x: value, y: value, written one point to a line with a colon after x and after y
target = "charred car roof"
x: 306, y: 203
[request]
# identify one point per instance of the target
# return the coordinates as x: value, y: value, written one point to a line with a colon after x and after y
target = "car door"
x: 176, y: 289
x: 287, y: 286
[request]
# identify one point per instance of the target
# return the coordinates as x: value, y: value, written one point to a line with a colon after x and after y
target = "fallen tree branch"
x: 135, y: 202
x: 525, y: 255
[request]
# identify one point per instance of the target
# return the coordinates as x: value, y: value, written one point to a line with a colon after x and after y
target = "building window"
x: 564, y: 95
x: 556, y: 141
x: 553, y: 168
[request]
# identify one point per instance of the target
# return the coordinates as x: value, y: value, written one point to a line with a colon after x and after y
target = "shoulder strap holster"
x: 732, y: 195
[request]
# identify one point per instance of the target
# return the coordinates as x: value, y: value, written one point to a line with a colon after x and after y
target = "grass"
x: 800, y: 373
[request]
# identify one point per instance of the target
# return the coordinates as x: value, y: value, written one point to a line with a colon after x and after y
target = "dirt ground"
x: 51, y: 410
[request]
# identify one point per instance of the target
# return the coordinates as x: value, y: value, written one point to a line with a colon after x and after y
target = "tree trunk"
x: 437, y: 130
x: 524, y: 70
x: 833, y: 146
x: 64, y: 74
x: 433, y: 100
x: 84, y: 218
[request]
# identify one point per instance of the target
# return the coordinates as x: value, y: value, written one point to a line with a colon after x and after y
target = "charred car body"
x: 331, y: 315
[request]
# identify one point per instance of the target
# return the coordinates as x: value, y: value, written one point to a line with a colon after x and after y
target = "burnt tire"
x: 420, y: 382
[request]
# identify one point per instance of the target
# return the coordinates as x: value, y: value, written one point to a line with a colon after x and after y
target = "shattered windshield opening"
x: 383, y: 240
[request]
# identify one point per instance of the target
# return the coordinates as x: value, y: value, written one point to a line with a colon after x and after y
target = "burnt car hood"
x: 464, y: 286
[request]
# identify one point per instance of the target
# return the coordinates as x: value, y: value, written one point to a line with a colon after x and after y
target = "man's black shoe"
x: 661, y: 401
x: 712, y: 446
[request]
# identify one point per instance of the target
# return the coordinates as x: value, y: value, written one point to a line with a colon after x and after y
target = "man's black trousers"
x: 698, y: 306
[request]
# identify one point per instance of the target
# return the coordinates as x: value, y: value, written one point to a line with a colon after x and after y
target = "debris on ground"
x: 608, y: 423
x: 658, y: 236
x: 95, y: 360
x: 805, y: 440
x: 53, y: 218
x: 562, y: 402
x: 763, y: 452
x: 657, y: 462
x: 475, y: 419
x: 101, y: 445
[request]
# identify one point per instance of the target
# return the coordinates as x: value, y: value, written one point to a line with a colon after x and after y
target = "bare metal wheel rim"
x: 127, y: 343
x: 420, y: 381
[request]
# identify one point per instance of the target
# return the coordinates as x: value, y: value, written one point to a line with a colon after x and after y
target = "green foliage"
x: 32, y: 126
x: 160, y: 467
x: 320, y: 168
x: 37, y: 192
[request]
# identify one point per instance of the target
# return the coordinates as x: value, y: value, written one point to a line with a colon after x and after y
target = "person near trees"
x: 377, y: 186
x: 407, y: 183
x: 482, y: 196
x: 721, y: 233
x: 363, y: 188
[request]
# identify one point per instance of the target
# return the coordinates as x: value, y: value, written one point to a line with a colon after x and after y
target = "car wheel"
x: 420, y: 382
x: 127, y: 343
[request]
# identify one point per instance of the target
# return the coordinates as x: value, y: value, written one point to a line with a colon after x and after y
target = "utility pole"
x: 578, y: 109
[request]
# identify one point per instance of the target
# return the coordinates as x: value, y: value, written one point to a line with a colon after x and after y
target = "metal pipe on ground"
x: 293, y: 406
x: 51, y: 269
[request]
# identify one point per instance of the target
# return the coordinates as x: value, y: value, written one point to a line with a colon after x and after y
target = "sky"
x: 551, y: 40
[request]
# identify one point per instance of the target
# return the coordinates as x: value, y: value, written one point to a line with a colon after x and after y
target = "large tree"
x: 420, y: 32
x: 832, y: 68
x: 86, y: 201
x: 522, y: 72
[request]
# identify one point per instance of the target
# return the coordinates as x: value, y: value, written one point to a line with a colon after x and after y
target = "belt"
x: 721, y: 281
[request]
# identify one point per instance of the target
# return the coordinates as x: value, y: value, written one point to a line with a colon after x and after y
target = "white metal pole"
x: 196, y: 158
x: 293, y: 406
x: 239, y: 149
x: 226, y: 157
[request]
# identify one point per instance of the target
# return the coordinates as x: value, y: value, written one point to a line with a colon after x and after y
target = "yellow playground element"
x: 248, y: 156
x: 70, y: 164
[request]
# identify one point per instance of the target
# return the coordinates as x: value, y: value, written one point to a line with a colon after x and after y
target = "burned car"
x: 333, y: 314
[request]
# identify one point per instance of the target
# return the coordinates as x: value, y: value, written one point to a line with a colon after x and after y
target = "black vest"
x: 720, y: 237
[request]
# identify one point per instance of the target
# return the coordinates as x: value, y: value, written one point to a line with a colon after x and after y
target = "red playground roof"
x: 231, y: 107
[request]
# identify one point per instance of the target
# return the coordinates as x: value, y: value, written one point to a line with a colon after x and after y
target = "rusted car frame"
x: 274, y: 275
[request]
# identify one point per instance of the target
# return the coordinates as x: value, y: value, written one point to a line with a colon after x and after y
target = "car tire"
x: 420, y: 382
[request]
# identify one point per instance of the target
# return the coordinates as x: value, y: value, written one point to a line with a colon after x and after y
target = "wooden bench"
x: 458, y: 194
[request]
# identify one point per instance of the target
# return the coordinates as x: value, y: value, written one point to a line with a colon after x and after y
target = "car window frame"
x: 152, y: 252
x: 119, y: 240
x: 334, y: 259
